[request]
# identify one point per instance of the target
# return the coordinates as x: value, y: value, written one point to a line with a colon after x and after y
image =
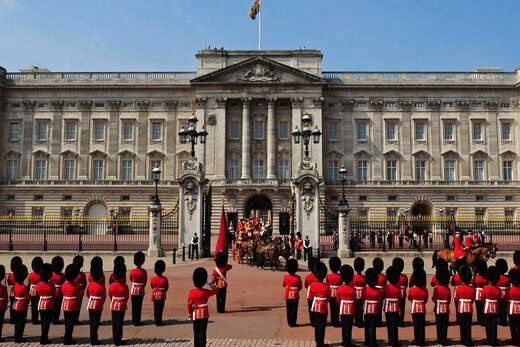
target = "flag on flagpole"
x: 255, y: 10
x: 222, y: 244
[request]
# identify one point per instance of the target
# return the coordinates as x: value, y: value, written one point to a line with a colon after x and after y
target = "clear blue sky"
x: 121, y: 35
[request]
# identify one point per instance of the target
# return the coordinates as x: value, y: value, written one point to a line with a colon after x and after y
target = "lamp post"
x: 191, y: 134
x: 343, y: 178
x: 114, y: 227
x: 156, y: 171
x: 80, y: 243
x: 306, y: 133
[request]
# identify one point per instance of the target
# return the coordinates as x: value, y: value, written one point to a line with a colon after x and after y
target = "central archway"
x: 260, y: 207
x: 422, y: 210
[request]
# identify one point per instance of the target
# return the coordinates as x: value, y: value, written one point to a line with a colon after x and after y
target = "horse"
x: 486, y: 251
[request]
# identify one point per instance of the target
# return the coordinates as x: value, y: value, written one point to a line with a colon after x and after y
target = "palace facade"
x: 412, y: 142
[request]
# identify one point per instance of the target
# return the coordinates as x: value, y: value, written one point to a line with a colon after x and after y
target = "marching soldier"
x: 117, y: 260
x: 58, y: 278
x: 398, y: 264
x: 81, y: 281
x: 346, y: 298
x: 503, y: 284
x: 465, y: 295
x: 310, y: 279
x: 21, y: 302
x: 219, y: 278
x: 419, y: 297
x: 334, y: 281
x: 491, y: 295
x: 160, y: 286
x: 34, y: 278
x: 372, y: 306
x: 71, y: 296
x: 3, y: 299
x: 513, y: 305
x: 441, y: 299
x: 359, y: 283
x: 138, y: 277
x: 46, y: 292
x: 97, y: 262
x: 392, y: 297
x: 96, y: 294
x: 293, y: 285
x: 15, y: 261
x: 118, y: 293
x: 319, y: 293
x: 479, y: 282
x: 198, y: 311
x: 379, y: 266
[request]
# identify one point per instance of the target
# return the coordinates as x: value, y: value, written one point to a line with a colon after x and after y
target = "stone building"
x: 414, y: 142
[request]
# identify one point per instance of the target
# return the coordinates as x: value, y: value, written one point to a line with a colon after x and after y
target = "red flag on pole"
x: 222, y: 245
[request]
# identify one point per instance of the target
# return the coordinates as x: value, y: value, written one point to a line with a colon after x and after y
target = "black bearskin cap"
x: 371, y: 276
x: 419, y: 278
x: 514, y: 277
x: 516, y: 258
x: 221, y: 259
x: 320, y: 271
x: 2, y: 272
x: 15, y: 261
x: 311, y: 263
x: 200, y: 277
x: 378, y: 264
x: 334, y: 264
x: 292, y: 266
x: 347, y: 273
x: 159, y: 267
x: 398, y: 264
x: 418, y: 263
x: 465, y: 274
x: 46, y: 271
x: 443, y: 276
x: 96, y: 271
x: 458, y: 263
x: 36, y: 264
x: 71, y: 273
x: 119, y: 271
x: 78, y: 261
x: 481, y: 267
x: 359, y: 264
x: 440, y: 262
x: 96, y: 261
x: 139, y: 258
x: 20, y: 273
x: 392, y: 275
x: 501, y: 264
x: 119, y: 260
x: 58, y: 264
x: 493, y: 275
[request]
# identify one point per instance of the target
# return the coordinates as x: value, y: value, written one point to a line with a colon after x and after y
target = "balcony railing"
x: 100, y: 76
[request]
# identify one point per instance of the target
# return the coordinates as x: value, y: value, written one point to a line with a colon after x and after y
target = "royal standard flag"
x: 254, y: 10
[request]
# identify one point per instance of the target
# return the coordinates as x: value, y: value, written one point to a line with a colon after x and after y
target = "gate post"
x: 154, y: 247
x: 344, y: 250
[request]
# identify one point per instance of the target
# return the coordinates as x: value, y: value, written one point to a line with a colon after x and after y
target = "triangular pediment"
x: 421, y: 154
x: 258, y: 70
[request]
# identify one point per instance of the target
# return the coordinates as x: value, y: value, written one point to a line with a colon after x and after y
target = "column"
x: 296, y: 149
x: 170, y: 149
x: 26, y: 128
x: 436, y: 136
x: 493, y: 138
x: 348, y: 138
x: 111, y: 141
x: 55, y: 139
x: 271, y: 139
x: 220, y: 136
x: 464, y: 140
x: 246, y: 139
x: 84, y: 139
x: 378, y: 135
x: 406, y: 139
x: 140, y: 160
x: 344, y: 250
x: 155, y: 247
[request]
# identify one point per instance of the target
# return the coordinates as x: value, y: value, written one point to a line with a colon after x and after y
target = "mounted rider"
x: 458, y: 252
x: 470, y: 242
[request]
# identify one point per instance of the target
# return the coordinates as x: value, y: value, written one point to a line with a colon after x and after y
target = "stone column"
x: 344, y: 250
x: 246, y: 139
x: 155, y: 247
x: 55, y: 139
x: 465, y: 136
x: 140, y: 160
x: 436, y: 136
x: 296, y: 149
x: 316, y: 149
x: 27, y: 131
x: 83, y: 133
x: 406, y: 139
x: 493, y: 138
x: 378, y: 135
x: 170, y: 149
x: 220, y: 135
x: 349, y: 136
x: 271, y: 139
x: 112, y: 140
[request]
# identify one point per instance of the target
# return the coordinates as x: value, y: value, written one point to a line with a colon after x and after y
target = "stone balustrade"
x: 100, y: 76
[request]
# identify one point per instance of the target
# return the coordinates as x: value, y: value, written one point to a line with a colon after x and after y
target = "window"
x: 363, y: 213
x: 128, y: 131
x: 41, y: 172
x: 258, y: 130
x: 97, y: 169
x: 234, y: 133
x: 259, y: 169
x: 450, y: 198
x: 38, y: 212
x: 478, y: 170
x: 391, y: 212
x: 125, y: 197
x: 14, y: 132
x: 68, y: 173
x: 363, y: 198
x: 420, y: 170
x: 234, y: 169
x: 126, y: 167
x: 449, y: 170
x: 508, y: 170
x: 506, y: 131
x: 419, y: 130
x: 362, y: 170
x: 124, y: 211
x: 480, y: 212
x: 67, y: 197
x: 70, y: 131
x: 391, y: 170
x: 42, y: 131
x: 510, y: 213
x: 448, y: 130
x: 283, y: 130
x: 333, y: 131
x: 12, y: 169
x: 38, y: 197
x: 480, y: 198
x: 390, y: 131
x: 99, y: 131
x: 156, y: 131
x: 66, y: 211
x: 509, y: 198
x: 477, y: 131
x: 153, y: 165
x: 362, y: 131
x: 333, y: 170
x: 283, y: 169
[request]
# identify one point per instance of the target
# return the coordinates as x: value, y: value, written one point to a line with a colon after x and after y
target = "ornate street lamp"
x: 191, y: 134
x: 343, y: 178
x: 156, y: 171
x: 306, y: 134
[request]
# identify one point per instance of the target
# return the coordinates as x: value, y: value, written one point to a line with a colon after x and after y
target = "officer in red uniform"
x: 512, y: 298
x: 319, y: 293
x: 3, y: 299
x: 138, y: 278
x: 458, y: 252
x: 219, y: 277
x: 298, y: 245
x: 418, y: 295
x: 21, y: 302
x: 438, y: 264
x: 379, y: 266
x: 198, y: 311
x: 71, y: 296
x: 465, y: 295
x: 470, y: 243
x: 15, y: 261
x: 503, y: 284
x: 96, y: 294
x: 293, y: 285
x: 97, y: 262
x: 346, y: 297
x: 81, y: 281
x: 334, y: 281
x: 310, y: 279
x: 359, y: 283
x: 392, y: 297
x: 372, y: 305
x: 34, y: 278
x: 479, y: 282
x: 58, y: 278
x: 455, y: 283
x: 46, y: 292
x: 441, y: 299
x: 117, y: 260
x: 491, y: 295
x: 398, y: 264
x: 118, y: 292
x: 160, y: 286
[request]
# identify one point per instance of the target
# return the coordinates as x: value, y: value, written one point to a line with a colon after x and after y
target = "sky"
x: 353, y: 35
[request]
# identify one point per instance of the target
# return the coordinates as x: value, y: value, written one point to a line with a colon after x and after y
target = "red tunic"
x: 34, y: 278
x: 334, y: 281
x: 71, y: 297
x: 220, y: 279
x: 458, y: 252
x: 102, y: 279
x: 469, y: 242
x: 465, y: 295
x: 403, y: 284
x: 479, y: 282
x: 112, y: 279
x: 97, y: 295
x: 392, y: 296
x: 21, y: 297
x: 441, y: 299
x: 81, y: 281
x: 434, y: 282
x: 512, y: 298
x: 381, y: 282
x: 373, y: 297
x: 319, y: 293
x: 138, y: 277
x: 346, y: 296
x: 293, y: 285
x: 47, y: 293
x: 198, y: 302
x: 360, y: 284
x: 58, y: 280
x: 10, y: 282
x: 419, y: 297
x: 503, y: 284
x: 309, y: 279
x: 3, y: 297
x: 160, y: 286
x: 118, y: 293
x: 455, y: 283
x: 491, y: 296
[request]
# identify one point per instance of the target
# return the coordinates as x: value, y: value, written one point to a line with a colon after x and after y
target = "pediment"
x: 508, y: 153
x: 40, y: 153
x: 156, y: 153
x: 126, y: 153
x: 392, y: 154
x: 362, y: 153
x: 479, y: 154
x: 258, y: 70
x: 450, y: 153
x: 13, y: 153
x: 98, y: 153
x: 421, y: 153
x: 69, y: 153
x: 334, y: 153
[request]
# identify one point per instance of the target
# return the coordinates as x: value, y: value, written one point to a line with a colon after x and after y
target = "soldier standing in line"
x: 160, y: 286
x: 334, y: 281
x: 379, y: 266
x: 3, y: 300
x: 71, y: 296
x: 219, y: 278
x: 418, y: 295
x: 15, y: 261
x: 479, y: 282
x: 503, y: 284
x: 117, y: 260
x: 347, y: 304
x: 392, y: 296
x: 372, y: 306
x: 198, y: 311
x: 96, y: 294
x: 138, y: 278
x: 441, y: 299
x: 465, y: 295
x: 491, y: 295
x: 46, y: 292
x: 298, y: 245
x: 310, y: 279
x: 359, y: 283
x: 513, y: 305
x: 319, y: 293
x: 21, y: 302
x: 118, y: 293
x: 57, y: 279
x: 398, y: 264
x: 293, y: 285
x: 97, y: 262
x: 81, y: 281
x: 34, y: 278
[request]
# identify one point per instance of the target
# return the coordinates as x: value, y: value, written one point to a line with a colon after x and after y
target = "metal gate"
x: 206, y: 224
x: 170, y: 227
x: 328, y: 223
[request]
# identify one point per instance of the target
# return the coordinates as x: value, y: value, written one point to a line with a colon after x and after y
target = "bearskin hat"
x: 443, y: 276
x: 371, y: 276
x: 292, y: 266
x: 96, y: 261
x: 492, y: 275
x: 465, y: 274
x: 419, y: 278
x: 392, y: 275
x: 458, y: 263
x: 514, y: 277
x: 36, y: 264
x: 320, y: 271
x: 334, y: 264
x: 46, y: 271
x: 71, y: 273
x: 2, y: 272
x: 359, y: 264
x: 440, y: 262
x: 481, y: 267
x: 516, y: 258
x: 15, y: 261
x: 221, y: 259
x: 347, y: 273
x: 378, y: 264
x: 119, y: 271
x: 398, y: 264
x: 200, y: 277
x: 119, y: 260
x: 418, y: 264
x: 78, y: 261
x: 159, y: 267
x: 501, y: 264
x: 58, y: 264
x: 96, y: 271
x: 139, y: 258
x: 20, y: 273
x: 311, y: 263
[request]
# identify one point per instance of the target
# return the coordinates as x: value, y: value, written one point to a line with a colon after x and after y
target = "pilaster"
x: 84, y: 132
x: 55, y: 139
x: 378, y: 135
x: 28, y: 139
x: 349, y: 136
x: 296, y: 149
x: 464, y: 140
x: 493, y: 138
x: 112, y: 162
x: 171, y: 139
x: 220, y: 135
x: 406, y: 139
x: 246, y: 139
x: 271, y: 138
x: 436, y: 136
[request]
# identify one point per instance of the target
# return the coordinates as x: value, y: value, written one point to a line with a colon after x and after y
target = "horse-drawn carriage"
x: 258, y: 250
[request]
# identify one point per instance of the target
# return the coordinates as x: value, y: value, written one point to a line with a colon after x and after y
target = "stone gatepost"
x: 191, y: 195
x: 155, y: 248
x: 344, y: 250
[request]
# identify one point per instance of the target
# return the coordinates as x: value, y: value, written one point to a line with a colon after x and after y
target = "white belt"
x: 160, y: 288
x: 135, y: 284
x: 387, y: 300
x: 414, y: 302
x: 488, y: 301
x: 69, y: 297
x: 437, y: 309
x: 402, y: 287
x: 342, y: 302
x: 92, y: 298
x: 511, y: 303
x: 465, y: 300
x: 478, y: 290
x: 199, y: 306
x: 369, y: 302
x: 502, y: 288
x: 379, y: 287
x: 57, y: 285
x: 33, y: 285
x: 19, y: 298
x: 43, y: 298
x: 359, y: 288
x: 335, y: 287
x: 118, y: 298
x: 293, y: 288
x: 1, y: 299
x: 316, y: 299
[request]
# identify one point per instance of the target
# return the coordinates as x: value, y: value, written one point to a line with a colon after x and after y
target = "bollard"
x: 174, y: 255
x: 319, y: 256
x: 189, y: 252
x: 183, y: 253
x: 11, y: 245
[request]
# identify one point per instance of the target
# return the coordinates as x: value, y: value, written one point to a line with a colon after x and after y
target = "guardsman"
x: 438, y: 264
x: 334, y: 281
x: 81, y: 281
x: 360, y: 284
x: 455, y: 283
x: 71, y: 296
x: 46, y: 292
x: 503, y: 284
x: 3, y: 299
x: 441, y: 299
x: 516, y: 259
x: 298, y: 245
x: 491, y: 296
x: 419, y: 297
x: 398, y: 264
x: 219, y: 277
x: 34, y: 278
x: 470, y: 243
x: 417, y: 264
x: 117, y: 260
x: 513, y: 305
x: 371, y: 307
x: 379, y: 266
x: 97, y: 262
x: 118, y: 293
x: 21, y: 302
x: 160, y: 286
x: 293, y: 285
x: 479, y: 282
x: 392, y: 297
x: 15, y: 261
x: 319, y: 293
x: 458, y: 252
x: 198, y: 311
x: 58, y: 278
x: 138, y: 278
x: 310, y: 279
x: 465, y: 295
x: 96, y: 294
x: 346, y: 297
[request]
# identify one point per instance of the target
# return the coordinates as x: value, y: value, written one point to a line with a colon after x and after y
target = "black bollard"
x: 174, y: 255
x: 183, y: 253
x: 189, y: 252
x: 318, y: 253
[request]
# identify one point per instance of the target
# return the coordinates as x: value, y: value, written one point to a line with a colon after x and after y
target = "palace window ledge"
x: 87, y: 183
x: 261, y: 182
x: 425, y: 183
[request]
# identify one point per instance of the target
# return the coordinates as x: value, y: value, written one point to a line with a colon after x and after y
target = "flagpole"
x: 260, y: 26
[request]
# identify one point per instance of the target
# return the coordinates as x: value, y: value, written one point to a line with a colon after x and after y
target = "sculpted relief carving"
x: 308, y: 197
x: 259, y: 73
x: 190, y: 197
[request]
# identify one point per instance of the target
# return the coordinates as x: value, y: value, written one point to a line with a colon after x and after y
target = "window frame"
x: 95, y: 169
x: 283, y: 169
x: 66, y: 169
x: 67, y: 133
x: 39, y: 133
x: 365, y: 127
x: 286, y: 129
x: 477, y: 125
x: 363, y: 169
x: 15, y: 166
x: 331, y: 132
x: 475, y: 168
x: 234, y: 170
x: 11, y: 139
x: 423, y: 124
x: 153, y: 123
x: 392, y: 123
x: 388, y: 168
x: 509, y: 124
x: 123, y: 135
x: 257, y: 169
x: 231, y: 137
x: 255, y: 129
x: 95, y: 130
x: 509, y: 170
x: 38, y: 174
x: 127, y: 172
x: 421, y: 170
x: 452, y: 130
x: 447, y: 168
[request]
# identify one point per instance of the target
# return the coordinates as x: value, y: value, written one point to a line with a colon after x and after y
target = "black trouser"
x: 514, y: 326
x: 334, y: 313
x: 502, y: 312
x: 299, y: 253
x: 442, y: 321
x: 221, y: 300
x: 94, y: 319
x: 292, y: 311
x: 20, y: 317
x: 79, y: 310
x: 11, y: 311
x: 380, y: 317
x: 2, y: 315
x: 491, y: 328
x: 402, y: 312
x: 457, y: 314
x: 392, y: 327
x: 346, y: 329
x: 359, y: 313
x: 199, y: 332
x: 70, y: 321
x: 418, y: 328
x: 194, y: 249
x: 158, y: 307
x: 45, y: 319
x: 57, y: 310
x: 118, y: 318
x: 320, y: 322
x: 137, y: 307
x: 464, y: 320
x: 370, y: 329
x: 479, y: 307
x: 34, y: 309
x: 307, y: 253
x: 309, y: 304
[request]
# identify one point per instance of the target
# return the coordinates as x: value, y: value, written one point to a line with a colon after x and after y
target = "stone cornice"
x: 405, y: 105
x: 271, y: 102
x: 318, y: 102
x: 491, y: 105
x: 246, y: 102
x: 57, y: 105
x: 463, y: 105
x: 85, y: 105
x: 376, y: 104
x: 200, y: 102
x: 28, y: 105
x: 348, y: 104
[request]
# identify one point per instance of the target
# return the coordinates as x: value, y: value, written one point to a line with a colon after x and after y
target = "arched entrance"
x: 259, y: 206
x: 421, y: 212
x: 421, y: 208
x: 97, y: 224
